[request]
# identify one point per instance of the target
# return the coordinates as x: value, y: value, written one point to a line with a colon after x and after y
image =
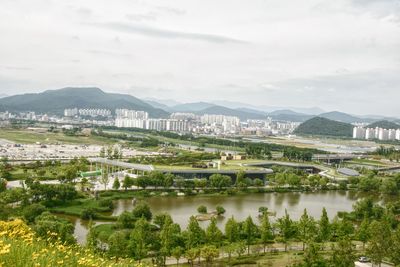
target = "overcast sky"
x: 338, y: 55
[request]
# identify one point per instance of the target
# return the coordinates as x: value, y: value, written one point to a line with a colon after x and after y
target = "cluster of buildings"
x: 181, y: 122
x: 89, y: 112
x: 376, y: 133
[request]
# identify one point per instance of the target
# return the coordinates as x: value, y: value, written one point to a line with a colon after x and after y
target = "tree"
x: 394, y: 251
x: 324, y: 229
x: 240, y: 179
x: 250, y: 232
x: 240, y: 248
x: 32, y: 211
x: 209, y: 253
x: 139, y: 239
x: 191, y: 255
x: 232, y: 232
x: 52, y: 227
x: 177, y: 253
x: 343, y: 254
x: 380, y: 241
x: 142, y: 210
x: 286, y: 228
x: 220, y: 210
x: 258, y: 182
x: 194, y: 234
x: 202, y: 209
x: 168, y: 180
x: 220, y: 181
x: 169, y: 237
x: 3, y: 185
x: 116, y: 184
x: 104, y: 179
x: 213, y: 234
x: 307, y: 228
x: 117, y: 245
x: 126, y: 220
x: 363, y: 231
x: 127, y: 182
x: 312, y: 257
x: 267, y: 235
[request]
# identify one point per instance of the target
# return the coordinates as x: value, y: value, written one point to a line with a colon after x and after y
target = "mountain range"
x: 55, y: 101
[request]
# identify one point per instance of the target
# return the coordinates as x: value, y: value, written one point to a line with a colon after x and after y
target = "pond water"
x: 239, y: 206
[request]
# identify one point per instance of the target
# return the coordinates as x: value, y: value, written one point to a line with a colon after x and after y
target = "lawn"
x: 26, y: 136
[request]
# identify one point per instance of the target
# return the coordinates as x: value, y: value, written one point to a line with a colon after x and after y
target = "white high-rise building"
x: 398, y: 134
x: 370, y: 133
x: 70, y: 112
x: 392, y: 134
x: 358, y: 133
x: 383, y: 134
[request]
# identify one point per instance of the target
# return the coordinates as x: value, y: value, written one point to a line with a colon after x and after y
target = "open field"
x: 26, y: 136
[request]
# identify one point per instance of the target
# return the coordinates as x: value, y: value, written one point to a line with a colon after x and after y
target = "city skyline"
x: 337, y: 56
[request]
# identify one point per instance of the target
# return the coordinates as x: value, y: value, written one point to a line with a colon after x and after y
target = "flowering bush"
x: 20, y: 247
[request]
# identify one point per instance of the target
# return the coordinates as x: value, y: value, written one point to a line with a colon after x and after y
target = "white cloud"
x: 336, y: 54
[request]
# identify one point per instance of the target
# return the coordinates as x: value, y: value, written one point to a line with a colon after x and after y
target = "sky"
x: 338, y: 55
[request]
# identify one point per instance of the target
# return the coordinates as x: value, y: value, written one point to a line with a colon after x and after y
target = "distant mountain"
x: 250, y: 110
x: 343, y: 117
x: 156, y: 104
x: 166, y: 102
x: 323, y: 126
x: 192, y: 107
x: 384, y: 124
x: 289, y: 115
x: 220, y: 110
x: 3, y: 95
x: 285, y: 112
x: 55, y: 101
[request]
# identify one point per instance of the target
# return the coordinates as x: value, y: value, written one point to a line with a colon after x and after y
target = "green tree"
x: 194, y: 234
x: 287, y: 229
x: 213, y: 234
x: 127, y: 182
x: 324, y: 229
x: 191, y: 255
x: 168, y: 180
x: 3, y: 185
x: 363, y: 231
x: 312, y: 257
x: 47, y: 223
x: 250, y: 232
x: 177, y: 253
x: 209, y: 253
x: 169, y: 237
x: 117, y: 245
x: 306, y: 228
x: 142, y: 210
x: 267, y: 234
x: 202, y: 209
x: 116, y: 184
x: 220, y: 210
x: 394, y: 251
x: 126, y: 220
x: 380, y: 241
x: 232, y: 231
x: 343, y: 254
x: 139, y: 239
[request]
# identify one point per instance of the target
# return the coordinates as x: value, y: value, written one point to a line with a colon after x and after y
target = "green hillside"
x: 323, y: 126
x: 55, y: 101
x: 384, y: 124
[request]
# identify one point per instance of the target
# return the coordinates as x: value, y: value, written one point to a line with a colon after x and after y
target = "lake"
x: 240, y: 206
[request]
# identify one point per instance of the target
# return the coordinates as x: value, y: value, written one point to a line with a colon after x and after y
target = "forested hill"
x: 323, y: 126
x: 384, y: 124
x: 55, y: 101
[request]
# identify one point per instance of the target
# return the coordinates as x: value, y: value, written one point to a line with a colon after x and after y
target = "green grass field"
x: 25, y: 136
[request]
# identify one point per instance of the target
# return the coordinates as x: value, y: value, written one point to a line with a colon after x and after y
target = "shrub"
x: 89, y: 214
x: 202, y: 209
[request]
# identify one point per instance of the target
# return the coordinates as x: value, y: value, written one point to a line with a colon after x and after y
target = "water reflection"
x: 241, y: 206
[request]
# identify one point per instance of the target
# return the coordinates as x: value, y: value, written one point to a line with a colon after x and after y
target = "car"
x: 363, y: 259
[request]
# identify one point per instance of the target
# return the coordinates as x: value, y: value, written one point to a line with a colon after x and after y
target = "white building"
x: 383, y: 134
x: 358, y: 133
x: 398, y: 134
x: 370, y: 133
x: 70, y: 112
x: 131, y: 114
